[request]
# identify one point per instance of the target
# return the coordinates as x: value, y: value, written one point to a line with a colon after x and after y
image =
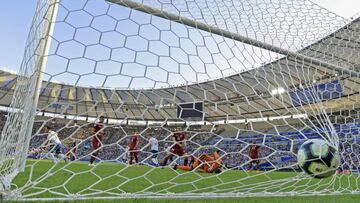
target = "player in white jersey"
x: 154, y: 147
x: 125, y: 156
x: 53, y: 144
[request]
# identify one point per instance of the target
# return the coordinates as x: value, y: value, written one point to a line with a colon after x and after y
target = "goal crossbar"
x: 227, y: 34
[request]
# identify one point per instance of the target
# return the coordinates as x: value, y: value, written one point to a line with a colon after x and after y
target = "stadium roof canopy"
x: 240, y: 96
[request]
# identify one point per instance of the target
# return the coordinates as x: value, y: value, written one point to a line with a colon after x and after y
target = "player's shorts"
x: 180, y: 151
x: 154, y: 154
x: 134, y: 152
x: 254, y: 160
x: 56, y: 149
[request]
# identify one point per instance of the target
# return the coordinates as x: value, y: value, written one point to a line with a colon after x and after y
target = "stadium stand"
x: 279, y: 149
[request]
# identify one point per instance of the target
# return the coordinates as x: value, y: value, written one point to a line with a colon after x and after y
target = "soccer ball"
x: 317, y: 158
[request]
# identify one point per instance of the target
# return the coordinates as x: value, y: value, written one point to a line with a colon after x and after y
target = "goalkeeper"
x: 205, y: 163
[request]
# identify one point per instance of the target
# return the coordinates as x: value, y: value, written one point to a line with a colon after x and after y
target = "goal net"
x: 162, y: 98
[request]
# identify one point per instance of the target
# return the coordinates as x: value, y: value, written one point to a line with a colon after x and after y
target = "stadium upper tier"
x: 249, y: 94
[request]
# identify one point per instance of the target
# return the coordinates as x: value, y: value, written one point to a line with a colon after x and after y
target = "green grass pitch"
x: 43, y: 179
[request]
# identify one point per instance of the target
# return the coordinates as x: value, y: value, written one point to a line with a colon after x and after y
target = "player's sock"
x: 131, y: 159
x: 192, y: 160
x: 61, y: 157
x: 52, y: 157
x: 92, y: 159
x: 155, y: 161
x: 186, y: 160
x: 165, y: 161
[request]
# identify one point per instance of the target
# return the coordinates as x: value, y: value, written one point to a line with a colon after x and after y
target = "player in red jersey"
x: 254, y: 154
x: 133, y: 148
x: 96, y: 141
x: 204, y: 163
x: 178, y: 148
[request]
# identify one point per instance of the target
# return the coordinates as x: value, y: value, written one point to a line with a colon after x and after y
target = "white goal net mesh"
x: 105, y: 85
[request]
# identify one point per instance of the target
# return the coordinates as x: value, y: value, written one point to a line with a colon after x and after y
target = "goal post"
x: 44, y: 46
x: 16, y: 135
x: 180, y: 99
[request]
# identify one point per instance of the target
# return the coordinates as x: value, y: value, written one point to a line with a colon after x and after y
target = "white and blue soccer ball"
x: 317, y: 158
